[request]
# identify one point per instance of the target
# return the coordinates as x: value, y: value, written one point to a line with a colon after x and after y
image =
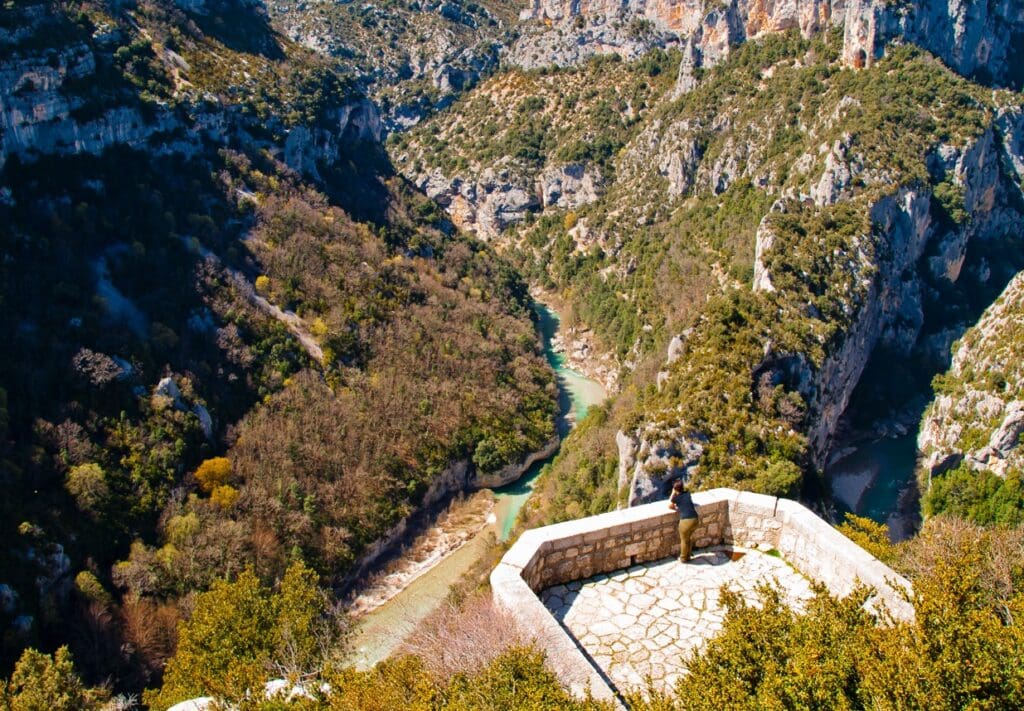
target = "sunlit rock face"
x: 980, y: 40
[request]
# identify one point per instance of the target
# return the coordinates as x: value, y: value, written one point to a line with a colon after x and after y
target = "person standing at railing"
x: 681, y: 502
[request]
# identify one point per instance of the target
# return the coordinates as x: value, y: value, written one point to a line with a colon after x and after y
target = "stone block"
x: 566, y: 542
x: 749, y: 501
x: 633, y: 549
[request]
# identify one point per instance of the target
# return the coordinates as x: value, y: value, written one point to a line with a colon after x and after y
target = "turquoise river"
x: 378, y: 633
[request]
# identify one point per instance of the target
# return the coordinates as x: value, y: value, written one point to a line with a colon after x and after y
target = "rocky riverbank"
x: 418, y: 577
x: 578, y: 348
x: 462, y: 521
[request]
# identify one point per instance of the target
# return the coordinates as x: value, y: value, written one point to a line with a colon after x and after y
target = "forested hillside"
x: 233, y: 339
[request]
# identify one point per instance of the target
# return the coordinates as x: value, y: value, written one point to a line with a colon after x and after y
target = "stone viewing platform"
x: 644, y: 621
x: 606, y: 599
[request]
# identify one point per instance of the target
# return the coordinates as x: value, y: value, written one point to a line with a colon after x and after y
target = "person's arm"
x: 672, y: 502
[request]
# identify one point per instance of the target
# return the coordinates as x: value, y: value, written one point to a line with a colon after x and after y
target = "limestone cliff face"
x: 983, y: 40
x: 711, y: 28
x: 891, y: 312
x: 652, y: 457
x: 980, y: 40
x: 38, y: 117
x: 978, y: 415
x: 905, y: 227
x: 686, y: 16
x: 908, y: 251
x: 484, y: 204
x: 45, y: 108
x: 352, y: 123
x: 489, y: 202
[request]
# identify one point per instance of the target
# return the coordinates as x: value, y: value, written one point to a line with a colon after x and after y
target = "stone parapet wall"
x: 579, y: 549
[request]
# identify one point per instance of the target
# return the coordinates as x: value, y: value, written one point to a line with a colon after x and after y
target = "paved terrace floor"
x: 643, y: 621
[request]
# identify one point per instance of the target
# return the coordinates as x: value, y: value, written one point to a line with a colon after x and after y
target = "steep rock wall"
x: 489, y: 202
x: 912, y: 250
x: 604, y: 26
x: 979, y: 417
x: 55, y: 101
x: 37, y: 115
x: 981, y: 40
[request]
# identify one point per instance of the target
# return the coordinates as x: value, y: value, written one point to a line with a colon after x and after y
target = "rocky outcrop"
x: 486, y: 204
x: 569, y: 186
x: 686, y: 16
x: 168, y: 390
x: 578, y: 346
x: 978, y: 415
x: 764, y: 242
x: 676, y: 350
x: 490, y: 201
x: 307, y: 147
x: 841, y: 167
x: 652, y: 457
x: 678, y: 149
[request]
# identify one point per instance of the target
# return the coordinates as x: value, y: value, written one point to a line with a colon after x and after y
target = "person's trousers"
x: 686, y: 528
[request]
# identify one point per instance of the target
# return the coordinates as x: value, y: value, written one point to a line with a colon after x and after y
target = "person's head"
x: 678, y: 486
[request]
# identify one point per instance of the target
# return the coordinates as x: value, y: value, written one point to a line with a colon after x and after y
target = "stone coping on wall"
x: 590, y: 546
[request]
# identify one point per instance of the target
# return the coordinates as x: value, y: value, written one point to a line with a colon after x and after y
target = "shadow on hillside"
x: 241, y: 26
x: 355, y: 181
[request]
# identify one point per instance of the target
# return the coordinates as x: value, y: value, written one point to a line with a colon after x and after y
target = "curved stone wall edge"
x: 579, y: 549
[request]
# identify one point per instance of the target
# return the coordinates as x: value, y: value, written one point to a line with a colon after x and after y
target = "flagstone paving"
x: 643, y: 621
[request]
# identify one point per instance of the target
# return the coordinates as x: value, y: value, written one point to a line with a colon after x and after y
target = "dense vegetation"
x: 961, y: 651
x: 215, y: 363
x: 980, y: 496
x: 522, y: 120
x: 973, y: 434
